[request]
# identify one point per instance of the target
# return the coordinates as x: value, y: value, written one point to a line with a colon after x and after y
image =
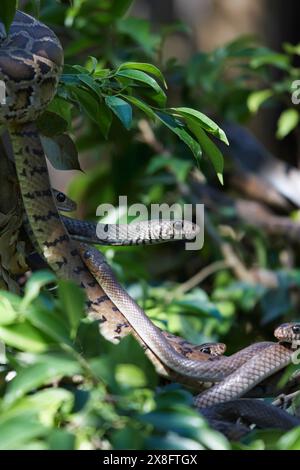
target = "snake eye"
x: 178, y: 225
x: 296, y: 329
x: 60, y: 197
x: 206, y: 350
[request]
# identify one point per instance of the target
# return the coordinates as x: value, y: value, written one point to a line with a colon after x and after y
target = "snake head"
x: 63, y: 202
x: 31, y: 60
x: 289, y: 333
x: 214, y: 349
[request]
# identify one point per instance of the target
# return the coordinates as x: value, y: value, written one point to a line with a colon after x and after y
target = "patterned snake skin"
x: 213, y: 370
x: 147, y: 232
x: 261, y: 366
x: 31, y: 60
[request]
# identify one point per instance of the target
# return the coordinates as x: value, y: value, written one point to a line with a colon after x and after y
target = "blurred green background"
x: 63, y: 387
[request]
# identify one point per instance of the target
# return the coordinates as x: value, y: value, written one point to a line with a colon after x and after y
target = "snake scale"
x: 146, y: 232
x: 31, y: 60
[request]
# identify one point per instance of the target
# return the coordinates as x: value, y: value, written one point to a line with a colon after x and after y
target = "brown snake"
x: 260, y: 366
x: 209, y: 371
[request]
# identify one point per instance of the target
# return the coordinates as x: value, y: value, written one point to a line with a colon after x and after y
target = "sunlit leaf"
x: 61, y: 152
x: 179, y: 129
x: 257, y: 98
x: 29, y: 378
x: 72, y: 300
x: 24, y: 337
x: 146, y: 80
x: 34, y: 285
x: 207, y: 145
x: 287, y: 122
x: 19, y: 430
x: 204, y: 121
x: 149, y: 68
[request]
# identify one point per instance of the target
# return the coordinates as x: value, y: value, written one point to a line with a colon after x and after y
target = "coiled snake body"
x: 31, y: 59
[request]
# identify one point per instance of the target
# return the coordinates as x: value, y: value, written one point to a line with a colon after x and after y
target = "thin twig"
x: 201, y: 276
x: 285, y: 401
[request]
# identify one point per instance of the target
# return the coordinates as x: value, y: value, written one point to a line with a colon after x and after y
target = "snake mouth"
x: 289, y: 335
x: 293, y: 345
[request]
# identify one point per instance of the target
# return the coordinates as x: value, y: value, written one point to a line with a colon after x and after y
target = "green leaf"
x: 291, y: 48
x: 208, y: 147
x: 61, y: 108
x: 34, y: 285
x: 129, y: 375
x: 287, y: 122
x: 24, y: 337
x: 18, y: 430
x: 7, y: 12
x: 142, y: 77
x: 9, y: 307
x: 92, y: 64
x: 172, y: 441
x: 280, y: 61
x: 144, y: 67
x: 257, y: 98
x: 49, y: 368
x: 290, y: 440
x: 49, y: 322
x: 60, y: 439
x: 91, y: 83
x: 178, y: 166
x: 214, y: 440
x: 121, y: 109
x: 100, y: 114
x: 204, y: 121
x: 178, y: 128
x: 141, y: 105
x: 61, y: 152
x: 169, y: 398
x: 119, y: 7
x: 197, y: 303
x: 51, y: 124
x: 45, y: 403
x: 275, y: 303
x: 182, y: 421
x: 72, y: 299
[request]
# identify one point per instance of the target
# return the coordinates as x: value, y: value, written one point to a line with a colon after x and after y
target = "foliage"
x: 242, y: 76
x: 62, y: 386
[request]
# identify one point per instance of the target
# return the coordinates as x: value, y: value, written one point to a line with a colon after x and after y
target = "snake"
x: 236, y: 418
x: 261, y: 366
x: 158, y: 233
x: 136, y: 233
x: 154, y: 231
x: 210, y: 370
x: 250, y: 408
x: 31, y: 61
